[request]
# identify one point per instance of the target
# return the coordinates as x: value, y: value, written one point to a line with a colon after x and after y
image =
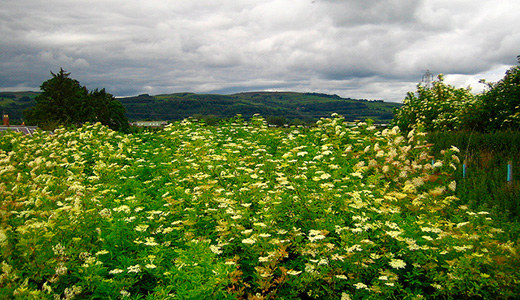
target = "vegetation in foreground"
x: 243, y: 211
x: 484, y: 181
x: 486, y: 127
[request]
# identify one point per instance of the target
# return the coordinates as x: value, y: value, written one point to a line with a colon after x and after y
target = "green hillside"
x: 13, y: 103
x: 282, y: 106
x: 276, y: 107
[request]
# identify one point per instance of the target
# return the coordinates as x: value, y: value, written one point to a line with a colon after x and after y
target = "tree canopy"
x: 441, y: 107
x: 444, y: 107
x: 500, y: 104
x: 65, y: 102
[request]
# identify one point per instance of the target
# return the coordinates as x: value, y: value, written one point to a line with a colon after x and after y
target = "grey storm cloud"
x: 360, y: 49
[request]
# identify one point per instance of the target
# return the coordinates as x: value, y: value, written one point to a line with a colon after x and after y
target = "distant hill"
x: 278, y: 107
x: 307, y: 107
x: 13, y: 103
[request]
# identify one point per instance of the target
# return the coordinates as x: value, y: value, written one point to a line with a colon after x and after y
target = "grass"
x: 486, y: 156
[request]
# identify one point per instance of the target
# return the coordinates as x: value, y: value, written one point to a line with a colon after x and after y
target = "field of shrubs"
x: 244, y: 211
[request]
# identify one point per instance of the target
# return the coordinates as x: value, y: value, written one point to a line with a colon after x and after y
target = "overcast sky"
x: 360, y: 49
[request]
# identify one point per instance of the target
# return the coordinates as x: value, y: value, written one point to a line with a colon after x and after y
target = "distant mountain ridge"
x: 283, y: 106
x: 307, y: 107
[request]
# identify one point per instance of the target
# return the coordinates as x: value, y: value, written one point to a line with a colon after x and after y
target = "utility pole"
x: 427, y: 79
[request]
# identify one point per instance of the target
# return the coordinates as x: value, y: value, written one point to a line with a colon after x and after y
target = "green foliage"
x: 13, y: 104
x: 499, y: 107
x: 64, y: 102
x: 441, y: 107
x: 444, y: 107
x: 279, y: 107
x: 104, y: 108
x: 243, y: 211
x: 486, y: 156
x: 502, y: 145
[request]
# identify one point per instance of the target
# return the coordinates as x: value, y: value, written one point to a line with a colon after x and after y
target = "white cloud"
x: 473, y: 80
x: 375, y: 49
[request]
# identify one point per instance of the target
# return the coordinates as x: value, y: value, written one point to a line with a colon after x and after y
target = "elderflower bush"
x: 242, y: 211
x: 439, y: 108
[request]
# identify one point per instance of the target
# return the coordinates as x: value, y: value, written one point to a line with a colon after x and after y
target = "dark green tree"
x: 65, y: 102
x: 60, y: 102
x: 107, y: 110
x: 499, y: 107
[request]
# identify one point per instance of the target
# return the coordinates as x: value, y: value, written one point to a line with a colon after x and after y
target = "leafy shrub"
x: 243, y: 211
x: 442, y: 107
x: 486, y: 156
x: 499, y: 107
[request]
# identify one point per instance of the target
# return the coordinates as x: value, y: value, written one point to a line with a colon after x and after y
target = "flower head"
x: 397, y: 263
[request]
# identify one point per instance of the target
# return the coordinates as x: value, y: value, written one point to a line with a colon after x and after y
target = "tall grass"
x: 486, y: 156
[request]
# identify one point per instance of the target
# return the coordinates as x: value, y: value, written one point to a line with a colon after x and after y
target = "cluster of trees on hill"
x: 65, y: 102
x: 443, y: 107
x: 277, y: 107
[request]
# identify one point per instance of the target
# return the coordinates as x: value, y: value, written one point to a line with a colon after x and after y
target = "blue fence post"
x: 509, y: 171
x: 464, y: 169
